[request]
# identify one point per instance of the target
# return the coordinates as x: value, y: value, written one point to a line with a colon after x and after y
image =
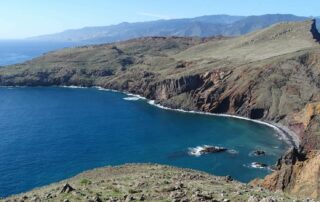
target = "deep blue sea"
x: 16, y: 51
x: 49, y: 134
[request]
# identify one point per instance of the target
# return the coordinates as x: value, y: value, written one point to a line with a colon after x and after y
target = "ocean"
x: 48, y: 134
x: 16, y: 51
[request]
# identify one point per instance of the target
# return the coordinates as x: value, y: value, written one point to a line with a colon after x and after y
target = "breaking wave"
x: 131, y: 98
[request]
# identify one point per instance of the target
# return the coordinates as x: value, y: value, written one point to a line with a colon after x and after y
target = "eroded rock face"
x: 296, y: 174
x: 311, y: 110
x: 172, y: 87
x: 306, y: 123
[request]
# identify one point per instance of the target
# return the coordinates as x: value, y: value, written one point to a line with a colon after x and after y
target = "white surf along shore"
x: 282, y: 132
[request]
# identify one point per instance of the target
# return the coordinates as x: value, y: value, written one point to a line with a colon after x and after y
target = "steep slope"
x: 203, y: 26
x: 271, y: 75
x: 277, y: 40
x: 297, y: 174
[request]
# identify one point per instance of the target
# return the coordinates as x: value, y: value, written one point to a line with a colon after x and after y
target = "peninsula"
x: 270, y: 75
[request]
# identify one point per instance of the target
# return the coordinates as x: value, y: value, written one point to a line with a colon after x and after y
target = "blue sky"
x: 24, y: 18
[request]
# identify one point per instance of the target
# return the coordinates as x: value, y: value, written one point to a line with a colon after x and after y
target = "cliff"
x: 296, y: 174
x: 270, y: 75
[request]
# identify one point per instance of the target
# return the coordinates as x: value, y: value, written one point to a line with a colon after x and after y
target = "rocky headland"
x: 271, y: 75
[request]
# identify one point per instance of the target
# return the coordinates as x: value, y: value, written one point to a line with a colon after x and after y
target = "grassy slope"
x: 276, y: 40
x: 149, y: 183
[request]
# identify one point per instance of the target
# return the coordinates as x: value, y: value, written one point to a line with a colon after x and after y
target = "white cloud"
x: 153, y: 15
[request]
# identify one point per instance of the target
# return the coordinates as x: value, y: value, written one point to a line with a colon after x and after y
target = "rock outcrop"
x: 296, y: 174
x: 306, y: 123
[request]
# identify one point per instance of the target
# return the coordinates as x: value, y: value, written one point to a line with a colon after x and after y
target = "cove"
x: 50, y: 134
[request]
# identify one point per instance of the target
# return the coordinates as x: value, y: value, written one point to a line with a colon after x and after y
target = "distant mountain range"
x: 204, y: 26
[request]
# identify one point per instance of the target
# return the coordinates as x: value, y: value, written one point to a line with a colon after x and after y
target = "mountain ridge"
x: 203, y: 26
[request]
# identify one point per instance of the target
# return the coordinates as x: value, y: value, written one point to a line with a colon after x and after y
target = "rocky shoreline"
x: 283, y: 132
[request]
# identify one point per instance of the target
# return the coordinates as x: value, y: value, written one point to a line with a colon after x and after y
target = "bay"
x: 50, y: 134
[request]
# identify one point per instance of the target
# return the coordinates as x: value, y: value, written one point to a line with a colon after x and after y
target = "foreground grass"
x: 148, y: 182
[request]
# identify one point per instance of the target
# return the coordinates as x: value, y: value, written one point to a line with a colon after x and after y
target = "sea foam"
x: 196, y: 151
x: 73, y: 86
x: 131, y: 98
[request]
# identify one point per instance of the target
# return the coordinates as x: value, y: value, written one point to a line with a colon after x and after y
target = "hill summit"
x: 276, y: 40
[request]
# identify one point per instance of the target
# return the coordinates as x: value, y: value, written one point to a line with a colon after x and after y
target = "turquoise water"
x: 49, y: 134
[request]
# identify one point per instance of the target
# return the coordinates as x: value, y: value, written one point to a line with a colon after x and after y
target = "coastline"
x: 282, y: 132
